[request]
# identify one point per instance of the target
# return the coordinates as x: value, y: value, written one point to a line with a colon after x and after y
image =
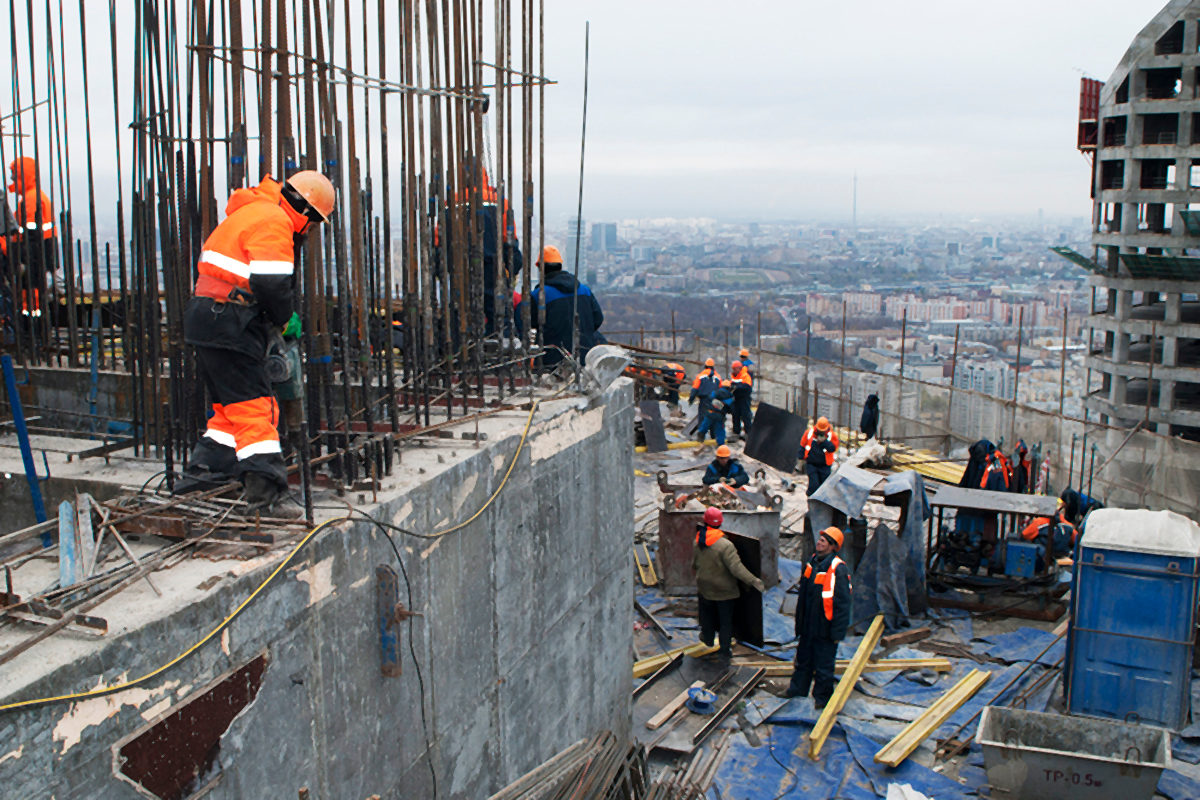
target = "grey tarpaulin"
x: 890, y: 578
x: 846, y: 491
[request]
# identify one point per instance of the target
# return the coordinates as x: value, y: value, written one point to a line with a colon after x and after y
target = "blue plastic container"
x: 1020, y: 559
x: 1129, y: 652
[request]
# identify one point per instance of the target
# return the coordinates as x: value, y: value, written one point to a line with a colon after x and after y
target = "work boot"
x: 265, y: 498
x: 198, y: 478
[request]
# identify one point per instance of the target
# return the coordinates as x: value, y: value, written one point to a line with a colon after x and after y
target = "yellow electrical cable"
x: 225, y: 622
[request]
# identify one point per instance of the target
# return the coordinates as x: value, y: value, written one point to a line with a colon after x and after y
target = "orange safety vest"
x: 806, y: 442
x: 31, y: 200
x: 701, y: 374
x: 744, y: 377
x: 994, y: 464
x: 827, y: 580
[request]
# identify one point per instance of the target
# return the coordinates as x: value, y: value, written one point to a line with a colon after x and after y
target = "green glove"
x: 292, y: 329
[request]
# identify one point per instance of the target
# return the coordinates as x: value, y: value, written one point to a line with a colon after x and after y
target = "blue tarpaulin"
x: 1023, y: 644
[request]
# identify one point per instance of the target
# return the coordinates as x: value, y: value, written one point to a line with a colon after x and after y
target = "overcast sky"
x: 766, y: 109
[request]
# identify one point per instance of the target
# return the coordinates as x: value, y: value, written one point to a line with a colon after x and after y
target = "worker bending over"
x: 726, y: 469
x: 818, y: 446
x: 823, y: 613
x: 712, y: 420
x: 244, y: 289
x: 718, y: 570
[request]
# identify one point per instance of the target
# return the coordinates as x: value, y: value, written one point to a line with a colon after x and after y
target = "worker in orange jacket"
x: 243, y: 290
x: 33, y: 241
x: 818, y: 447
x: 742, y: 384
x: 824, y: 610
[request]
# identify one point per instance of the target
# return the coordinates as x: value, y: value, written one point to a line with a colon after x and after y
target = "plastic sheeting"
x: 890, y: 578
x: 1023, y: 644
x: 781, y: 768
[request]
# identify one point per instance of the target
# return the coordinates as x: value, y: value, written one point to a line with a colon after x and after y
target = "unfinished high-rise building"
x: 1142, y: 128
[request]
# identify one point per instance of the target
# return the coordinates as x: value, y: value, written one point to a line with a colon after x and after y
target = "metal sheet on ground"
x: 676, y: 735
x: 775, y: 437
x: 652, y: 427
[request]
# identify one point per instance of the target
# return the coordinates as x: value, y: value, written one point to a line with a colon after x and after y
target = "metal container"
x: 1020, y: 559
x: 1039, y: 756
x: 1129, y: 651
x: 677, y: 534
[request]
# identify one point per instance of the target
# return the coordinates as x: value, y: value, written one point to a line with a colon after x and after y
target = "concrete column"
x: 1120, y: 350
x: 1166, y: 395
x: 1124, y: 302
x: 1171, y: 314
x: 1117, y: 390
x: 1170, y: 351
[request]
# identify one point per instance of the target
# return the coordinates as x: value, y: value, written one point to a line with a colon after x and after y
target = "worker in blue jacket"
x: 558, y: 297
x: 726, y: 469
x: 713, y: 419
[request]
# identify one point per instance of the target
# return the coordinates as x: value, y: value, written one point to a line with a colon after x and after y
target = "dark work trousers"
x: 816, y: 476
x: 717, y: 616
x: 814, y: 667
x: 741, y: 411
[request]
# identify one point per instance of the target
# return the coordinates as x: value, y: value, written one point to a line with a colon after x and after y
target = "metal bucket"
x: 1035, y: 755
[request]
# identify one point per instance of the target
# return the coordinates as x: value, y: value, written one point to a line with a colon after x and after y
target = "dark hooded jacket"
x: 558, y: 298
x: 869, y: 424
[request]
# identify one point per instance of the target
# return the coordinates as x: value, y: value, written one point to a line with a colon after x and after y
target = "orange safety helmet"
x: 708, y: 362
x: 724, y: 452
x: 315, y: 189
x: 822, y: 425
x: 835, y: 535
x: 744, y: 352
x: 713, y: 517
x: 735, y: 366
x: 550, y: 255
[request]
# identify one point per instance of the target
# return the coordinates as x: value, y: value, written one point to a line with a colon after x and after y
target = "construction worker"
x: 718, y: 570
x: 713, y: 419
x: 563, y: 297
x: 744, y: 357
x: 33, y: 241
x: 1054, y: 536
x: 818, y: 446
x: 742, y: 385
x: 726, y: 469
x: 824, y: 609
x: 672, y: 375
x: 244, y: 289
x: 1022, y: 468
x: 703, y: 385
x: 996, y: 472
x: 869, y: 424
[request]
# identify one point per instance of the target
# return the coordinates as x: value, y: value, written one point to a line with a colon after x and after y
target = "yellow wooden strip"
x: 917, y: 731
x: 664, y: 714
x: 650, y: 566
x: 648, y: 665
x: 820, y: 731
x: 641, y: 448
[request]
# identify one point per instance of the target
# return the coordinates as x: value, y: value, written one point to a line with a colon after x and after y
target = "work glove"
x: 292, y: 328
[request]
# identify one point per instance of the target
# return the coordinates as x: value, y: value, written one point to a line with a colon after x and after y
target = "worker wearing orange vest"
x: 34, y: 237
x: 244, y: 289
x: 673, y: 376
x: 818, y: 446
x: 824, y: 609
x: 742, y: 384
x: 718, y: 571
x: 704, y: 384
x: 1055, y: 536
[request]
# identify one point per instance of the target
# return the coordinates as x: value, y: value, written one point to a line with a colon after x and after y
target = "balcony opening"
x: 1164, y: 83
x: 1160, y: 128
x: 1171, y: 41
x: 1122, y: 93
x: 1110, y: 218
x: 1114, y: 131
x: 1157, y: 173
x: 1112, y: 174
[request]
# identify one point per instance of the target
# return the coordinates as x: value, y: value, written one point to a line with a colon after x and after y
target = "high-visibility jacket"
x: 673, y: 373
x: 806, y: 442
x: 249, y: 257
x: 32, y: 203
x: 995, y: 474
x: 743, y: 378
x: 1040, y: 526
x: 706, y: 378
x: 825, y: 604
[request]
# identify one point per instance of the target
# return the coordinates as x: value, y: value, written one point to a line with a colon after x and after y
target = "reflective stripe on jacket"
x: 827, y: 580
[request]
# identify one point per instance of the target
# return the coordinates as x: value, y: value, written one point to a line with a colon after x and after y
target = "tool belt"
x: 222, y: 291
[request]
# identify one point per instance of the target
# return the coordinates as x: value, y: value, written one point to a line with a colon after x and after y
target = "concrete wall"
x: 524, y: 644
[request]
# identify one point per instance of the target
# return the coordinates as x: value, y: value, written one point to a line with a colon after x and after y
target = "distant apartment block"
x: 978, y: 412
x: 604, y: 237
x: 575, y: 244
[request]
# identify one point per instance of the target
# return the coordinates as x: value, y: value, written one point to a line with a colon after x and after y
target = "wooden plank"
x: 84, y: 536
x: 646, y: 666
x: 905, y: 637
x: 650, y: 566
x: 664, y: 714
x: 917, y: 731
x: 820, y: 731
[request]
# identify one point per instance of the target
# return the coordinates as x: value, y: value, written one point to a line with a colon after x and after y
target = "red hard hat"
x: 822, y: 424
x: 735, y: 366
x: 713, y: 517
